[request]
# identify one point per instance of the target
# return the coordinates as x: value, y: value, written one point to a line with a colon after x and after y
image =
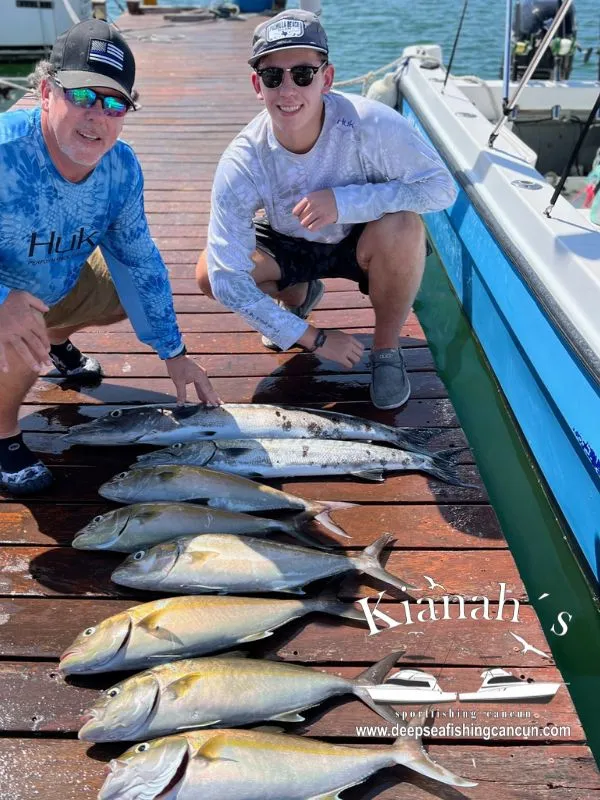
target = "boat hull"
x: 524, y: 691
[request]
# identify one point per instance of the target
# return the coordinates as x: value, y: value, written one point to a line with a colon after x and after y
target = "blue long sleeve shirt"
x: 49, y: 226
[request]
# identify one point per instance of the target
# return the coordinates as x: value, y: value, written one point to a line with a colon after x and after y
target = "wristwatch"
x: 320, y: 340
x: 182, y: 352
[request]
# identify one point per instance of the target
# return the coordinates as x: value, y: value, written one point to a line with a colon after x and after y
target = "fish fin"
x: 199, y: 725
x: 199, y: 557
x: 268, y: 729
x: 445, y: 470
x: 368, y: 562
x: 335, y: 793
x: 254, y: 637
x: 232, y: 654
x: 328, y: 603
x: 451, y: 454
x: 151, y: 624
x: 410, y: 439
x: 293, y: 528
x: 375, y: 475
x: 376, y: 673
x: 289, y: 716
x: 408, y: 750
x: 178, y: 688
x: 384, y: 710
x: 323, y: 509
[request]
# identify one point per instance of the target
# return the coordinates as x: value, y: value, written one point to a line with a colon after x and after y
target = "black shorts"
x: 301, y: 260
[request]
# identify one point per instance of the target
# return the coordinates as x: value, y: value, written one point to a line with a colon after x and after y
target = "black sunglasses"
x: 302, y: 75
x: 87, y: 98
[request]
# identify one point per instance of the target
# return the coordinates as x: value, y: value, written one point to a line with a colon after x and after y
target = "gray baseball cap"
x: 290, y: 29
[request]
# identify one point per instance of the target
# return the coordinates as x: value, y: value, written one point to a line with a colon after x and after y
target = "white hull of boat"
x: 399, y: 694
x: 523, y: 691
x: 30, y: 27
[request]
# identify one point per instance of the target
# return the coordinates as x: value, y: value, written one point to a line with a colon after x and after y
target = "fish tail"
x: 451, y: 454
x: 328, y: 602
x: 409, y: 439
x: 445, y: 470
x: 324, y: 508
x: 369, y: 562
x: 408, y: 750
x: 376, y: 672
x: 295, y: 527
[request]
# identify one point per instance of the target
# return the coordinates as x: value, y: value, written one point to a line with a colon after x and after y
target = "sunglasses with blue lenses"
x: 87, y: 98
x: 302, y: 75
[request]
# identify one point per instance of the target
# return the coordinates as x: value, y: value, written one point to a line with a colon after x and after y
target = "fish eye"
x: 142, y: 747
x: 139, y: 555
x: 113, y: 692
x: 99, y: 518
x: 120, y: 475
x: 177, y: 446
x: 89, y: 631
x: 118, y: 412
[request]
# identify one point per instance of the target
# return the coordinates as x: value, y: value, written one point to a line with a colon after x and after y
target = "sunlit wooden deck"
x: 196, y: 95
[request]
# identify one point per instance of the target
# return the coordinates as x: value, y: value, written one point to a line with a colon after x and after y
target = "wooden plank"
x: 416, y: 414
x: 81, y: 482
x: 199, y: 304
x: 415, y: 527
x: 290, y: 391
x: 39, y: 700
x: 545, y: 772
x: 30, y: 629
x: 63, y: 571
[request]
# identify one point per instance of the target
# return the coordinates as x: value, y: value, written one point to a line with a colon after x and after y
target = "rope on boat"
x: 368, y: 76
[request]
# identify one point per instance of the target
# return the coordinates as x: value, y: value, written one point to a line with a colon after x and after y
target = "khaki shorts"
x: 93, y: 299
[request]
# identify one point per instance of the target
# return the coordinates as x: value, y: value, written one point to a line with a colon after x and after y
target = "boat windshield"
x: 410, y: 682
x: 502, y: 679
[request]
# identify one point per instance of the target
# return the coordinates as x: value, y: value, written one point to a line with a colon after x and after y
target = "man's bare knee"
x: 202, y: 278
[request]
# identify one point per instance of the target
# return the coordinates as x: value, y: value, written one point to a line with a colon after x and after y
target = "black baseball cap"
x: 290, y: 29
x: 93, y: 53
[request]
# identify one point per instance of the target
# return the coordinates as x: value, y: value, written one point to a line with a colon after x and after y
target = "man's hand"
x: 184, y: 370
x: 341, y: 347
x: 317, y: 209
x: 23, y: 328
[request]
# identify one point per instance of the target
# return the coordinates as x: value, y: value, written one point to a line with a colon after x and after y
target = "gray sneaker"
x: 390, y: 387
x: 314, y: 293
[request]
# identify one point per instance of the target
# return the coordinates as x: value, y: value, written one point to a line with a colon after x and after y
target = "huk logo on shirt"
x: 49, y: 244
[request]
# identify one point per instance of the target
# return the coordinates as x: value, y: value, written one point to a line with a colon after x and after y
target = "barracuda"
x: 248, y: 765
x: 223, y: 690
x: 181, y: 627
x: 167, y: 425
x: 144, y: 525
x: 229, y: 564
x: 280, y: 458
x: 214, y: 489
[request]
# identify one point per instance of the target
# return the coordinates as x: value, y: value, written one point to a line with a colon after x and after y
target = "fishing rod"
x: 567, y: 170
x: 562, y: 13
x: 454, y: 46
x: 507, y: 52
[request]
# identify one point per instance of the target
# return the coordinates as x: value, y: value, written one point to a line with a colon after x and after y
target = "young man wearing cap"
x: 67, y: 188
x: 342, y: 180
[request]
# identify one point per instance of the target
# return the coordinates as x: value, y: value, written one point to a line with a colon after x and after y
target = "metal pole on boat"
x: 574, y: 154
x: 507, y: 52
x: 454, y: 46
x: 562, y: 13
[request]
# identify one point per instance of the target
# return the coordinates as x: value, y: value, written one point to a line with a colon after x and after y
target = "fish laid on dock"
x: 168, y: 425
x: 223, y: 690
x: 241, y: 764
x: 181, y: 627
x: 287, y: 458
x: 214, y: 489
x: 144, y: 525
x: 228, y: 564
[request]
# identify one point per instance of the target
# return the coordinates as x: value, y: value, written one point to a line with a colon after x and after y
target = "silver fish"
x: 255, y: 765
x: 229, y: 564
x: 164, y: 425
x: 282, y: 458
x: 223, y: 690
x: 181, y: 627
x: 214, y: 489
x: 143, y: 525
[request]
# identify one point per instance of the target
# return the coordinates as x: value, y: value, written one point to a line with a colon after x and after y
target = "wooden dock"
x: 196, y: 95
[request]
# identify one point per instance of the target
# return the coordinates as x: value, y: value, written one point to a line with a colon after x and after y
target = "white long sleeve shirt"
x: 373, y: 159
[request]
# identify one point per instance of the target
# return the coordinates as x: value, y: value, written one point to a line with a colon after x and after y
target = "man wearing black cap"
x: 342, y: 180
x: 75, y: 250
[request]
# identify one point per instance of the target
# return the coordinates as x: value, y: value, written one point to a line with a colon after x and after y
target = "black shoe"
x: 72, y: 363
x: 21, y: 472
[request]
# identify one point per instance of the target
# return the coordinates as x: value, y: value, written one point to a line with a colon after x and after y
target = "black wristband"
x: 320, y: 340
x: 182, y: 352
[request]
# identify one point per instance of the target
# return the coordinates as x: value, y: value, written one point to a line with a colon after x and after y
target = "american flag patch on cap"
x: 106, y: 53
